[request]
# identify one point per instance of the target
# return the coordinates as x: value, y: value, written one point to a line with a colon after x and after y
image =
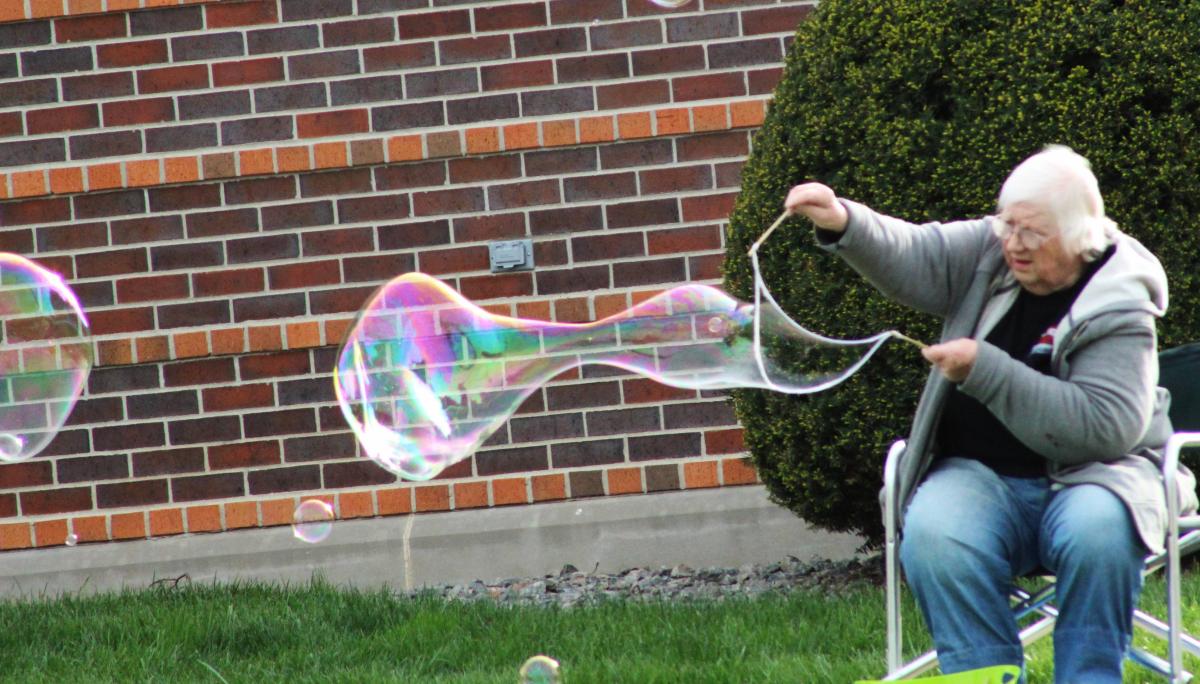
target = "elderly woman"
x: 1037, y: 436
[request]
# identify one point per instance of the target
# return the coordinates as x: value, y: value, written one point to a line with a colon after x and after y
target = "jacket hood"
x: 1131, y: 279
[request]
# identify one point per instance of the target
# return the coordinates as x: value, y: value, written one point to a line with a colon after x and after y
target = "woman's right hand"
x: 818, y: 203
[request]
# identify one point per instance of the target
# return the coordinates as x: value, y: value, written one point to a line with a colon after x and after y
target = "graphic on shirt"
x: 1039, y: 354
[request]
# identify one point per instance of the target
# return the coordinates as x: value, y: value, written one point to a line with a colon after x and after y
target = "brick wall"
x: 224, y: 183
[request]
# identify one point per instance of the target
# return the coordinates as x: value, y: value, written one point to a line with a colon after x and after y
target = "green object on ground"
x: 999, y: 674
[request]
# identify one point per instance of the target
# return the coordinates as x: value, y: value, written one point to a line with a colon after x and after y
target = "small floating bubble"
x: 71, y: 540
x: 540, y: 669
x: 312, y: 521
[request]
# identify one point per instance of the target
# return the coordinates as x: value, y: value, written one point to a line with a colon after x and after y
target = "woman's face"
x: 1033, y: 249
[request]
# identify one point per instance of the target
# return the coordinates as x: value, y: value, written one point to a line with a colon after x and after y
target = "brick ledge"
x: 30, y: 10
x: 221, y: 516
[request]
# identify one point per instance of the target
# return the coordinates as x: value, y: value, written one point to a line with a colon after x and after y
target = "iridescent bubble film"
x: 45, y: 356
x: 425, y: 376
x: 313, y: 521
x: 539, y: 669
x: 670, y: 4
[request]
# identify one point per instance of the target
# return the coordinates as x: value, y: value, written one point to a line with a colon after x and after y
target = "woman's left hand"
x: 953, y: 358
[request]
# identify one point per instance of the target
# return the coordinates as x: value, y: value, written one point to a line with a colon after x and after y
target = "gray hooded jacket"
x: 1099, y: 417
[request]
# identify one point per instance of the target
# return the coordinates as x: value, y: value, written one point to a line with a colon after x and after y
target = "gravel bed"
x: 571, y: 586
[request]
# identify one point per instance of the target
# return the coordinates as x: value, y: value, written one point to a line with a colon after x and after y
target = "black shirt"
x: 968, y: 429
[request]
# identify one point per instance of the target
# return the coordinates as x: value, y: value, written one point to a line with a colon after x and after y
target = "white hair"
x: 1061, y: 181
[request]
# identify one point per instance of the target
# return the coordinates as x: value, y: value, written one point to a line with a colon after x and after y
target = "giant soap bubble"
x: 45, y: 356
x: 425, y: 376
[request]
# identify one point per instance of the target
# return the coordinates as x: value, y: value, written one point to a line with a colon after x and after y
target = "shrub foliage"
x: 920, y: 109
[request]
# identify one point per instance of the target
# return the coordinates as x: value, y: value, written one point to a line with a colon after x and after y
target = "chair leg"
x: 894, y: 642
x: 891, y: 523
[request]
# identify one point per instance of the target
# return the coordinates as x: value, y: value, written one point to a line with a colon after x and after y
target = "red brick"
x: 691, y: 239
x: 56, y: 119
x: 10, y: 124
x: 497, y: 286
x: 706, y: 266
x: 432, y: 498
x: 607, y: 247
x: 235, y: 281
x: 701, y: 474
x: 90, y: 28
x: 341, y: 122
x: 517, y: 75
x: 708, y: 86
x: 129, y: 525
x: 510, y: 16
x: 509, y: 491
x: 402, y: 56
x: 92, y: 528
x: 489, y: 227
x: 635, y: 94
x: 59, y: 500
x: 241, y: 514
x: 454, y: 260
x: 729, y: 441
x: 242, y: 454
x: 306, y: 274
x: 641, y: 390
x: 394, y: 501
x: 708, y: 207
x: 134, y: 493
x: 763, y: 81
x: 574, y: 12
x: 122, y: 320
x: 130, y: 112
x: 668, y: 60
x: 728, y: 144
x: 240, y: 14
x: 152, y: 288
x: 247, y: 71
x: 132, y: 54
x: 274, y: 365
x: 27, y: 474
x: 197, y: 372
x: 166, y: 521
x: 205, y: 518
x: 438, y: 202
x: 431, y: 24
x: 548, y: 487
x: 470, y: 495
x: 527, y: 193
x: 378, y: 30
x: 774, y: 20
x: 15, y: 536
x: 624, y: 481
x: 238, y: 397
x: 481, y: 49
x: 283, y: 511
x: 738, y: 471
x: 165, y: 79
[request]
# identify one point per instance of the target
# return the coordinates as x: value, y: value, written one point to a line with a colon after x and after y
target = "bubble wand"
x: 760, y: 284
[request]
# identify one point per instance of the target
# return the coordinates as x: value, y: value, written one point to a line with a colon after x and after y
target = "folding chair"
x: 1180, y: 373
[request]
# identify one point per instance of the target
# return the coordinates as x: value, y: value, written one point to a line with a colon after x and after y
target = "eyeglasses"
x: 1029, y: 238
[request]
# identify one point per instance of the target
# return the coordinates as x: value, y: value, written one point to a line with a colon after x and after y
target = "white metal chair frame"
x: 1041, y: 602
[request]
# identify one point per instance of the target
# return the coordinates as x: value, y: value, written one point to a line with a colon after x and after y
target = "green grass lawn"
x: 318, y: 633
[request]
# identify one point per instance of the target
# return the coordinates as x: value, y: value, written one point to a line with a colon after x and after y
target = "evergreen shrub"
x: 920, y: 109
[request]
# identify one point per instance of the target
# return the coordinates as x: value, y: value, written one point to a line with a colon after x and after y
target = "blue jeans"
x: 968, y: 532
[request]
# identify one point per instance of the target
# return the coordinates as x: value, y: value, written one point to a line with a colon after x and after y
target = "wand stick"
x: 767, y: 234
